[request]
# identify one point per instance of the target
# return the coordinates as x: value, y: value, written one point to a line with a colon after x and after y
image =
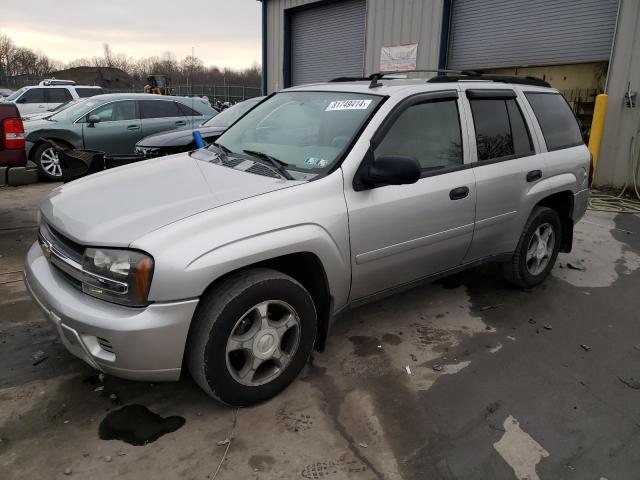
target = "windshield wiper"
x: 279, y: 165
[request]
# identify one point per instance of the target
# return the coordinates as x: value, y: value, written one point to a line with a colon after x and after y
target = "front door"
x: 407, y: 232
x: 117, y: 131
x: 32, y: 101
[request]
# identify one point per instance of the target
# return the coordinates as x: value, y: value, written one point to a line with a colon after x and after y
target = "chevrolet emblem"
x: 46, y: 250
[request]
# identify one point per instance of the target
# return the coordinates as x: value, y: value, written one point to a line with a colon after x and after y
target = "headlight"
x: 119, y: 276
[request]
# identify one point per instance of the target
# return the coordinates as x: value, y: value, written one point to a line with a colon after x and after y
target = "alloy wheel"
x: 540, y: 249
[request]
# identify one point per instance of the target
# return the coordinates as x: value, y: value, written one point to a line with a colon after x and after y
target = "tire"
x: 229, y: 333
x: 525, y: 270
x: 46, y: 158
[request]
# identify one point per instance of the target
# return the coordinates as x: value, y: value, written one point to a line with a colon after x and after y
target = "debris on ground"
x: 408, y: 370
x: 484, y: 308
x: 532, y: 321
x: 586, y: 293
x: 68, y: 471
x: 39, y: 357
x: 108, y: 458
x: 99, y: 389
x: 363, y: 445
x: 223, y: 442
x: 513, y: 339
x: 586, y: 348
x: 437, y: 367
x: 577, y: 266
x: 630, y: 382
x: 121, y: 453
x: 546, y: 326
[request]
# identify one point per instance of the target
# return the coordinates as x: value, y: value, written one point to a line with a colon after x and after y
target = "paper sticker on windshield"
x: 348, y: 105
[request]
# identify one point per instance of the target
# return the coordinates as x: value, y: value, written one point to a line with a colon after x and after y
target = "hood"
x: 115, y: 207
x: 177, y: 138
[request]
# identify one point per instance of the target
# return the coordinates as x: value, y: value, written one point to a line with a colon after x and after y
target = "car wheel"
x: 46, y: 157
x: 251, y: 336
x: 537, y: 249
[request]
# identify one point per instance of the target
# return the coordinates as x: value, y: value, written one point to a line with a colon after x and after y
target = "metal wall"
x: 621, y: 123
x: 499, y: 33
x: 389, y: 22
x: 328, y: 42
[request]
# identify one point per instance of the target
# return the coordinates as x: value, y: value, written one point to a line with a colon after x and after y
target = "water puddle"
x: 137, y: 425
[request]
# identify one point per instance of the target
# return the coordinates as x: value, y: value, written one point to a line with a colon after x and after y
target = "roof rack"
x: 534, y: 81
x: 448, y: 76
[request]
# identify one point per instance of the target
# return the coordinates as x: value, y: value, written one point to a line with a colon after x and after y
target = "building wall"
x: 621, y: 123
x: 389, y: 22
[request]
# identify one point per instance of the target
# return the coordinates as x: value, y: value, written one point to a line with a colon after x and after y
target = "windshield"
x: 231, y: 114
x: 62, y: 106
x: 76, y: 110
x: 307, y: 130
x: 16, y: 94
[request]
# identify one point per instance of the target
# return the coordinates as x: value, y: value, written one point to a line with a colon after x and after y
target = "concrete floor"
x: 466, y: 378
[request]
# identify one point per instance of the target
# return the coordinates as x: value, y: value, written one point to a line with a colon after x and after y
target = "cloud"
x: 222, y: 32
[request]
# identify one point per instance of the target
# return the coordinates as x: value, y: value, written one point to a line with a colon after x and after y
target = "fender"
x: 220, y: 260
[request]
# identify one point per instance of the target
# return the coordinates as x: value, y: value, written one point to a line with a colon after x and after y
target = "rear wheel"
x: 537, y: 249
x: 251, y: 336
x: 46, y: 157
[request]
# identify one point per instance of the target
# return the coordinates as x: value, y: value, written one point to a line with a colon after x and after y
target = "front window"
x: 75, y: 111
x: 14, y: 96
x: 307, y: 130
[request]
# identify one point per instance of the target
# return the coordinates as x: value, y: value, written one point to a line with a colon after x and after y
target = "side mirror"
x: 22, y: 100
x: 93, y: 119
x: 390, y: 170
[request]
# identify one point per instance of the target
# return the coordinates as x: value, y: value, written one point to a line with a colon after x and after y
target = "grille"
x: 105, y: 344
x: 70, y: 248
x: 263, y: 170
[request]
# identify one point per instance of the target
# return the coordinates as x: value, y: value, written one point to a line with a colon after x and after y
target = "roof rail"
x: 448, y: 76
x: 534, y: 81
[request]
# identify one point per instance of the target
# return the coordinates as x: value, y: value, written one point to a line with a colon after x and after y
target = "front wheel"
x: 48, y: 161
x: 251, y: 336
x: 537, y: 249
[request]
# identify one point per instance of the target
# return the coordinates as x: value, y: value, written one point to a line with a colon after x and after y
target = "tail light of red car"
x: 13, y: 134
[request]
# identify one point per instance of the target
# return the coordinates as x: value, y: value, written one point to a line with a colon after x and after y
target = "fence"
x: 223, y: 93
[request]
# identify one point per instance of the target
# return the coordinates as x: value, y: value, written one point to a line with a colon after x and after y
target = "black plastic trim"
x: 491, y: 94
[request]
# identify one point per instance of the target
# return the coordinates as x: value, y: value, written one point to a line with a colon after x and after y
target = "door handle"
x: 133, y: 127
x: 459, y: 193
x: 181, y: 123
x: 534, y: 175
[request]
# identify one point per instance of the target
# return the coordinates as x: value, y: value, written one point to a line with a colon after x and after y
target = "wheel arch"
x: 308, y: 270
x: 42, y: 141
x: 562, y: 203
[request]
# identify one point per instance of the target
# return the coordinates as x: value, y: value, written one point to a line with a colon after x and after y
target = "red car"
x: 12, y: 152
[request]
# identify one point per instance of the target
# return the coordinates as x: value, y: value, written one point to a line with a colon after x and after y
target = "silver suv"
x: 233, y: 259
x: 50, y: 94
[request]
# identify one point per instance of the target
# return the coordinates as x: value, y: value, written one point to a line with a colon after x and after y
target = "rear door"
x: 32, y: 101
x: 56, y: 96
x: 118, y: 129
x: 402, y: 233
x: 507, y: 165
x: 160, y: 115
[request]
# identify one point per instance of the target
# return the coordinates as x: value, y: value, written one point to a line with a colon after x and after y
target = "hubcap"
x: 50, y: 162
x: 263, y: 342
x: 540, y: 249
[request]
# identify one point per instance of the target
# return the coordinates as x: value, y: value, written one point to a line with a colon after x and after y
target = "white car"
x: 49, y: 94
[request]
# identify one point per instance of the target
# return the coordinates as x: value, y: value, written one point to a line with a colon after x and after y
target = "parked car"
x: 181, y: 140
x: 49, y: 94
x: 11, y: 137
x: 110, y: 123
x: 232, y: 260
x: 5, y: 92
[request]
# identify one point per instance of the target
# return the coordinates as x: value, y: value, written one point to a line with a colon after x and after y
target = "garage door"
x: 328, y: 42
x: 502, y: 33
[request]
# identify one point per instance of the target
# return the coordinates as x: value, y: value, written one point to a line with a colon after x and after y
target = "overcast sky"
x: 223, y: 32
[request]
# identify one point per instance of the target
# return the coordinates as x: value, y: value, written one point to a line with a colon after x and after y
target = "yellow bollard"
x: 597, y: 125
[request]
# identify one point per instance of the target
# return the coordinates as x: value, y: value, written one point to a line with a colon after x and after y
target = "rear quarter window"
x: 88, y: 92
x: 557, y: 121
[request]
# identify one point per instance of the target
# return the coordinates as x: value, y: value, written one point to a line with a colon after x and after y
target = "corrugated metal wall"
x: 499, y: 33
x: 389, y: 22
x: 621, y: 123
x: 328, y: 42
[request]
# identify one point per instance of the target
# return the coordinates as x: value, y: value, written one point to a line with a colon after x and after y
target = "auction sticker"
x: 348, y: 105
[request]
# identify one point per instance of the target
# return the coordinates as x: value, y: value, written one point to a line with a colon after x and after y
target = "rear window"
x: 88, y: 92
x: 557, y: 122
x: 501, y: 132
x: 58, y: 95
x: 159, y: 109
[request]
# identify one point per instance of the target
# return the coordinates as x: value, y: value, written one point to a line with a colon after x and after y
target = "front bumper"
x: 134, y: 343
